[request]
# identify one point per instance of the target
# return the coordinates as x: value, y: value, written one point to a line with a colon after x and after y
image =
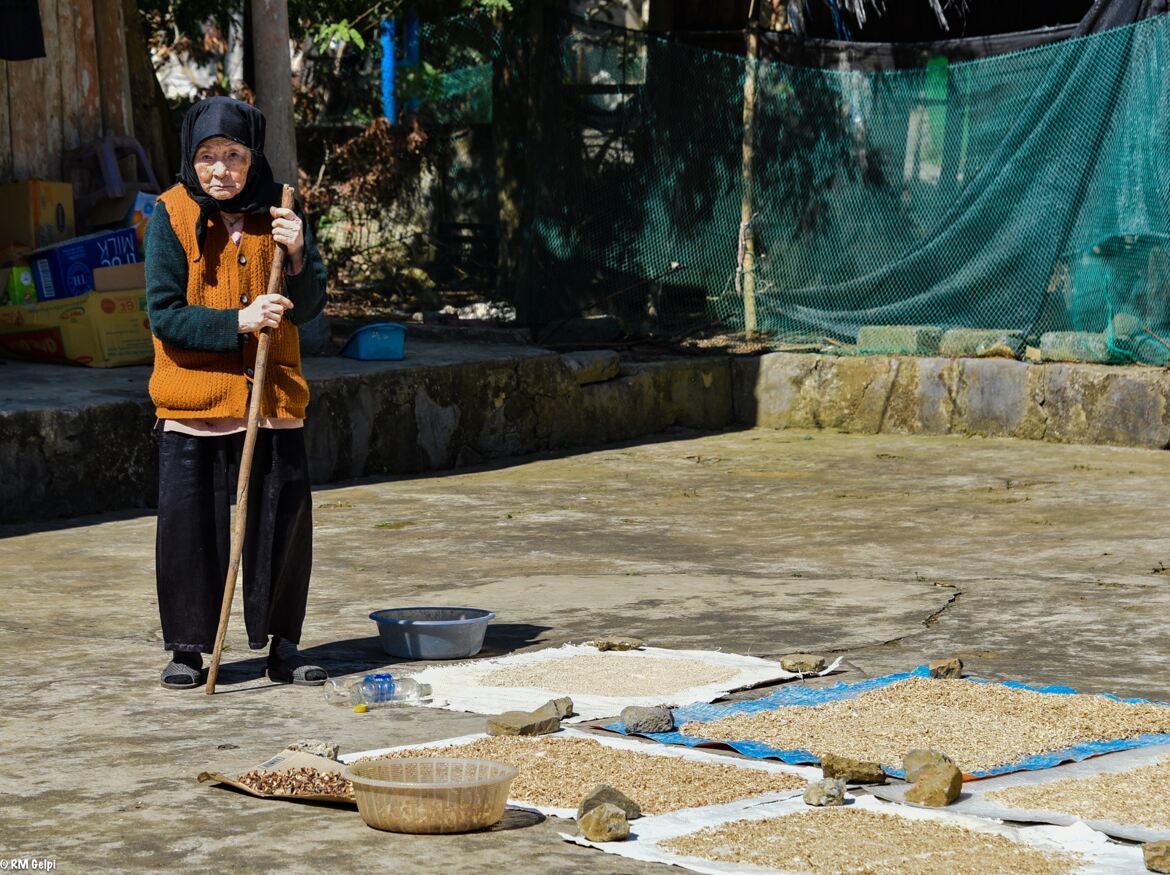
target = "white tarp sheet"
x: 1102, y: 856
x: 807, y: 773
x: 459, y: 687
x: 974, y: 799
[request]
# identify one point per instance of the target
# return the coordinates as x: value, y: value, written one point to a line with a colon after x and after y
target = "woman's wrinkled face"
x: 222, y: 167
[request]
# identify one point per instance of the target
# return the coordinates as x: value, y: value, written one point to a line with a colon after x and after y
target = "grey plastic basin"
x: 432, y: 633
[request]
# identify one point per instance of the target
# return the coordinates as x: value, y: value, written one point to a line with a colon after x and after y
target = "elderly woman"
x: 209, y: 250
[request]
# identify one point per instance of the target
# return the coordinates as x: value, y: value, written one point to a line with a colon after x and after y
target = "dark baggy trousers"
x: 197, y: 482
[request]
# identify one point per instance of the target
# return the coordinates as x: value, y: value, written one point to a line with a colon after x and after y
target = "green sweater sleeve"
x: 172, y: 319
x: 307, y: 289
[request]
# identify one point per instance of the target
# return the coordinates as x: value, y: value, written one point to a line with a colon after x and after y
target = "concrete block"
x: 768, y: 389
x: 1075, y: 346
x: 994, y: 397
x: 982, y: 343
x: 592, y: 366
x: 899, y: 339
x: 852, y: 394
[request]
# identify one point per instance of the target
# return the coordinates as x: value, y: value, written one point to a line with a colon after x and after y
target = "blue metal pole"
x: 410, y: 50
x: 389, y: 107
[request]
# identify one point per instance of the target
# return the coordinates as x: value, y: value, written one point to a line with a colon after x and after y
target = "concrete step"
x: 75, y: 441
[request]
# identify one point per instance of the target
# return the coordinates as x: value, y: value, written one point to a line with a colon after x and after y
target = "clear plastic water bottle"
x: 377, y: 690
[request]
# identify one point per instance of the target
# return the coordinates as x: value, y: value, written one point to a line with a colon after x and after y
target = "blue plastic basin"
x: 382, y: 341
x: 432, y: 633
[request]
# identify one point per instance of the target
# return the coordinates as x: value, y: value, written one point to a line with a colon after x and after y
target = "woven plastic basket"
x: 431, y: 794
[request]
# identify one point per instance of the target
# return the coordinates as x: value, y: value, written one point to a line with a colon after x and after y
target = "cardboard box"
x: 120, y: 277
x: 99, y: 329
x: 36, y: 213
x: 66, y: 269
x: 17, y: 286
x: 140, y: 213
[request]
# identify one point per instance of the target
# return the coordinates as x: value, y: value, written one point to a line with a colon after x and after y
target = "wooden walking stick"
x: 275, y: 278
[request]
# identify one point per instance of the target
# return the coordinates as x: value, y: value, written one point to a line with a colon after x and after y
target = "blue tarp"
x: 793, y: 695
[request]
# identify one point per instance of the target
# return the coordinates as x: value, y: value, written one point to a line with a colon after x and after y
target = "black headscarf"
x: 239, y: 121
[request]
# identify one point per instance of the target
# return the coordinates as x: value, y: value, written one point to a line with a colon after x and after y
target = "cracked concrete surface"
x: 1035, y: 561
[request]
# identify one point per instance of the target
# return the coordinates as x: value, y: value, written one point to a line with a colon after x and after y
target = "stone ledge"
x: 1066, y: 403
x: 76, y: 442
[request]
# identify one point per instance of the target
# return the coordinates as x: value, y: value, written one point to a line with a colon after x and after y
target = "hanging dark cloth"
x: 21, y: 38
x: 789, y: 48
x: 805, y: 50
x: 1106, y: 14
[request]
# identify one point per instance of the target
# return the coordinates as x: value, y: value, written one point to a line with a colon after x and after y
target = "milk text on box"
x: 118, y: 250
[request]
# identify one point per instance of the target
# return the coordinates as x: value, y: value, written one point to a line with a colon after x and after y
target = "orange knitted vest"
x: 191, y: 384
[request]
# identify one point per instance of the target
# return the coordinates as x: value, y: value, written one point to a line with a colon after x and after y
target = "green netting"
x: 1027, y: 193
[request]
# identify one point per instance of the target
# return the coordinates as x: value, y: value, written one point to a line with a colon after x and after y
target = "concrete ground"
x: 1034, y: 561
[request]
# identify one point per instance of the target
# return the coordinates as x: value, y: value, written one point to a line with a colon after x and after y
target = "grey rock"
x: 917, y: 760
x: 825, y: 792
x: 899, y: 339
x: 946, y: 668
x: 523, y: 723
x: 937, y: 785
x: 592, y: 366
x: 644, y: 720
x: 327, y: 749
x: 1075, y: 346
x: 803, y: 663
x: 605, y: 823
x: 603, y: 794
x: 617, y: 642
x: 562, y: 707
x: 982, y: 343
x: 1156, y: 855
x: 851, y: 770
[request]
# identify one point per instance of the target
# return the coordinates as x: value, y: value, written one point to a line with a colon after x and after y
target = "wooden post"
x: 113, y: 68
x: 273, y: 72
x: 746, y: 260
x: 81, y: 97
x: 5, y: 128
x: 34, y: 90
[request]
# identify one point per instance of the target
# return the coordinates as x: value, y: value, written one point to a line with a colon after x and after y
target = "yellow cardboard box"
x: 120, y: 277
x: 98, y: 329
x: 36, y: 213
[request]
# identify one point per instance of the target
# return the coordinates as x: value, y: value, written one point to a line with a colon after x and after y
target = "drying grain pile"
x: 844, y: 841
x: 1135, y: 797
x: 558, y: 773
x: 979, y: 725
x: 611, y: 674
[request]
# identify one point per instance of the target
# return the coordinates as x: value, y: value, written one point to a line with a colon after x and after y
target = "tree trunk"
x: 233, y: 61
x: 746, y: 267
x: 152, y: 122
x: 274, y: 95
